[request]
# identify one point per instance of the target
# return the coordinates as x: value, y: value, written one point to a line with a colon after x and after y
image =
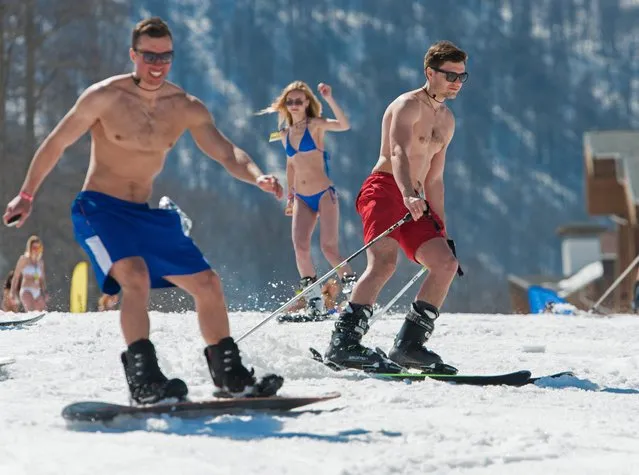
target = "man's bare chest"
x: 429, y: 135
x: 136, y: 125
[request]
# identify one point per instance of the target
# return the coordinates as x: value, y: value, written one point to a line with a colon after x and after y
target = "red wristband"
x: 26, y: 196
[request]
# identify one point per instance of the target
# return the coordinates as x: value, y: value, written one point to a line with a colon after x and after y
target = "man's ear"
x: 426, y: 73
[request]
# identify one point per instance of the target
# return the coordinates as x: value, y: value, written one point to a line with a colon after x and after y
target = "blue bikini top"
x: 307, y: 144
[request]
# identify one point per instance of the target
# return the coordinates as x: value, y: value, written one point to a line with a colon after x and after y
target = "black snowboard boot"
x: 147, y: 384
x: 408, y: 349
x: 345, y: 349
x: 231, y: 378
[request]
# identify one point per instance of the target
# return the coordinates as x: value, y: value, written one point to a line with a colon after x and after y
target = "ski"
x: 25, y: 321
x: 552, y: 376
x: 99, y: 411
x: 516, y: 378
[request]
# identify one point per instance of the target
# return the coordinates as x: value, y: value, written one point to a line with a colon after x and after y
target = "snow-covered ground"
x: 583, y: 425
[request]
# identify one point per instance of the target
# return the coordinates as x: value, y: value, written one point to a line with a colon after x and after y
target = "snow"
x: 583, y: 425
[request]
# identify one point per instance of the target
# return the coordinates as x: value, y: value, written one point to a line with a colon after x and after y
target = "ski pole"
x: 387, y: 307
x: 614, y: 284
x: 319, y: 281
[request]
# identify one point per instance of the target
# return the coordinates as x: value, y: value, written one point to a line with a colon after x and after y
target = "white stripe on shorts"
x: 100, y: 254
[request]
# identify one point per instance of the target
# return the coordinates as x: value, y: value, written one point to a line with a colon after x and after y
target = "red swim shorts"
x: 380, y: 205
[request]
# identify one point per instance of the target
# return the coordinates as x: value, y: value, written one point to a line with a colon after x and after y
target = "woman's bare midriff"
x: 310, y: 174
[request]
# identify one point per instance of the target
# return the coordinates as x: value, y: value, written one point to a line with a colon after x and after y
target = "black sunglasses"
x: 452, y: 76
x: 294, y: 102
x: 150, y: 57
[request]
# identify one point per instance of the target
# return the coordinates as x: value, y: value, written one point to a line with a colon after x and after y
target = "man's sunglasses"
x: 294, y: 102
x: 150, y: 57
x: 452, y: 76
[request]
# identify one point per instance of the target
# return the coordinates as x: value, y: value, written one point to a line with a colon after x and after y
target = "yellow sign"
x: 275, y: 136
x: 79, y: 287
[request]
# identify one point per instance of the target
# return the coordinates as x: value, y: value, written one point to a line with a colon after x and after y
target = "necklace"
x: 431, y: 97
x: 136, y: 81
x: 297, y: 124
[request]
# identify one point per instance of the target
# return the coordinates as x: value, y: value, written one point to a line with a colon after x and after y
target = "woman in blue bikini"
x: 310, y: 190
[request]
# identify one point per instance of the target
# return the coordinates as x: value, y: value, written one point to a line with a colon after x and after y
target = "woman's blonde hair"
x: 30, y: 242
x: 314, y: 108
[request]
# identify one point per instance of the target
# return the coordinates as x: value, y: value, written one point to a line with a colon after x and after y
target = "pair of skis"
x: 517, y: 378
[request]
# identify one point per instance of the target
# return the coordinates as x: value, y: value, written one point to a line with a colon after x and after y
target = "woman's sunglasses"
x: 452, y: 76
x: 150, y: 57
x: 294, y: 102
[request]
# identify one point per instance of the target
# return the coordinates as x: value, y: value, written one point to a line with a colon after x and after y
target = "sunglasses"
x: 294, y: 102
x: 150, y: 57
x: 452, y: 76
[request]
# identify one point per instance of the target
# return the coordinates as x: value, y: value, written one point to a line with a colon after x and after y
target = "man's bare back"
x: 428, y: 136
x: 132, y: 134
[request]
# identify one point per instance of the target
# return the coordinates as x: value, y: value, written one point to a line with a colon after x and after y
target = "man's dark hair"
x: 441, y: 52
x: 154, y: 27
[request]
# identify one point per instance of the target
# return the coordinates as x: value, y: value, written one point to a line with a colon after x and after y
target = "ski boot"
x: 231, y: 378
x: 345, y: 349
x: 408, y: 349
x: 147, y: 384
x: 314, y: 310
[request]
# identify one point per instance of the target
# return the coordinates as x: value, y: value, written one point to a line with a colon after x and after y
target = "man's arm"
x: 434, y: 181
x: 434, y: 184
x: 401, y: 134
x: 214, y: 144
x: 78, y: 120
x: 73, y: 125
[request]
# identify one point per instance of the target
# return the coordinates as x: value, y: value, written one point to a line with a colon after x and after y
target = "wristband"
x: 26, y: 196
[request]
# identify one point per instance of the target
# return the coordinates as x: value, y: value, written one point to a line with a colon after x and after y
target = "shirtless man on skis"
x: 417, y: 128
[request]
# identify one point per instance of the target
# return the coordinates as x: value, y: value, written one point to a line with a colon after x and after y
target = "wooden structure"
x: 611, y: 160
x: 611, y: 166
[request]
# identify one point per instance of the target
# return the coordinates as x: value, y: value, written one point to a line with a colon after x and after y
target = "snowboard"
x: 99, y: 411
x: 25, y: 321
